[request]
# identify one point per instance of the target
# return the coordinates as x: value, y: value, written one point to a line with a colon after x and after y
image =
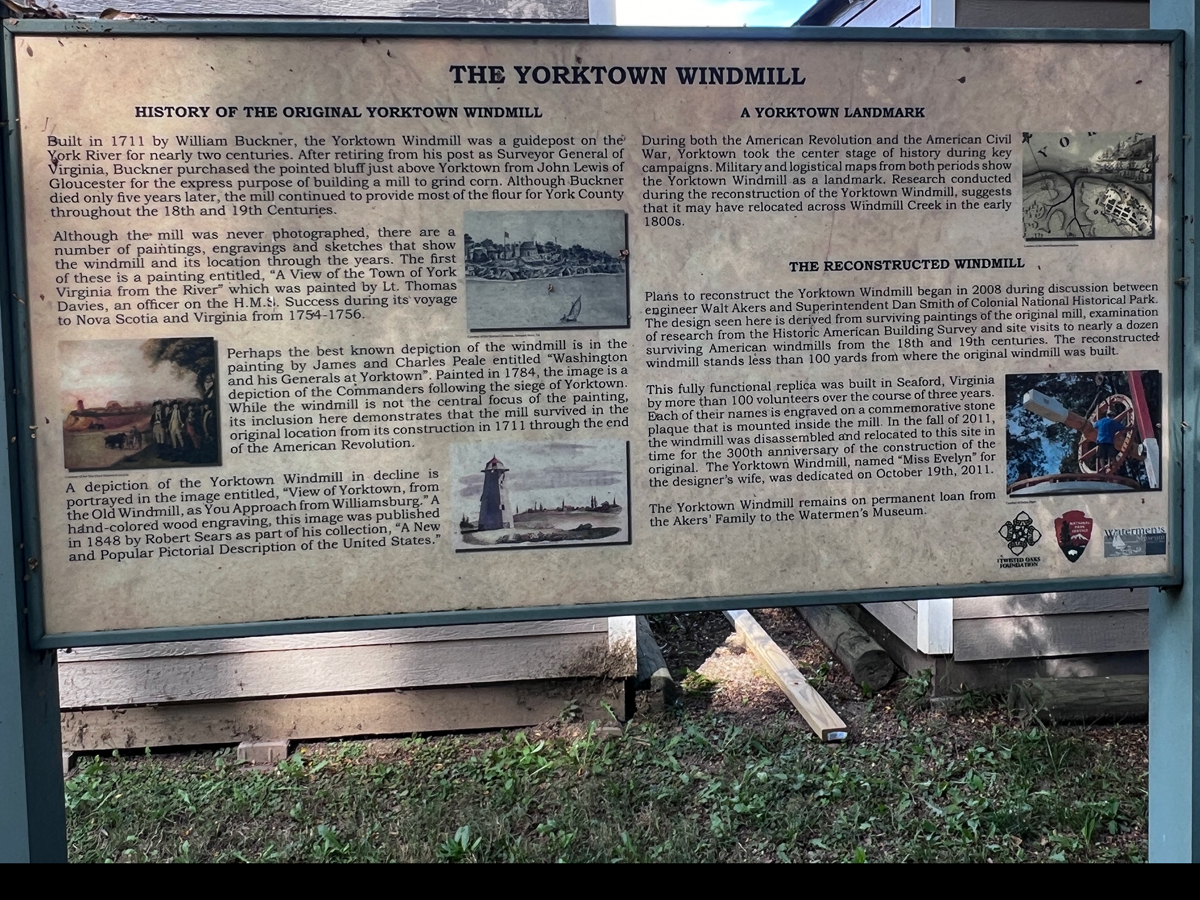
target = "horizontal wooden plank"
x: 1051, y: 604
x: 1051, y: 14
x: 898, y: 617
x: 327, y: 670
x: 537, y: 10
x: 335, y: 639
x: 425, y: 711
x: 1061, y: 635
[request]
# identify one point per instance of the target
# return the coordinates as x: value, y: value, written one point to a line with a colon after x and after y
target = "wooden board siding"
x: 900, y: 618
x: 1066, y: 634
x: 880, y: 14
x: 332, y: 639
x: 499, y: 10
x: 1051, y: 14
x: 339, y: 663
x: 1051, y: 604
x: 424, y: 711
x: 1029, y: 625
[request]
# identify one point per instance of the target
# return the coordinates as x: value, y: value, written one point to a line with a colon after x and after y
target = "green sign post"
x: 32, y: 823
x: 1174, y: 624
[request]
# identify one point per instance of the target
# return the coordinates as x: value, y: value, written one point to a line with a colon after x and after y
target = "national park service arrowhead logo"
x: 1020, y: 533
x: 1073, y: 530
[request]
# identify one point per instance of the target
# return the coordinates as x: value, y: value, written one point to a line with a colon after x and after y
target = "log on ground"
x: 867, y: 662
x: 1095, y: 698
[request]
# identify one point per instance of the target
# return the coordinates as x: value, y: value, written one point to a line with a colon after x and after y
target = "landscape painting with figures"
x: 139, y: 404
x: 529, y: 271
x: 522, y: 495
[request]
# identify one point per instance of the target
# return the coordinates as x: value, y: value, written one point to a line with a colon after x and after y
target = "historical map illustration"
x: 1089, y: 185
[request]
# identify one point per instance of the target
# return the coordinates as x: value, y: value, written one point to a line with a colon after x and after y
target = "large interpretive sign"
x: 337, y: 327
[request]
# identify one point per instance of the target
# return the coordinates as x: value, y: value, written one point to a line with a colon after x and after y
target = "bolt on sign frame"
x: 72, y: 86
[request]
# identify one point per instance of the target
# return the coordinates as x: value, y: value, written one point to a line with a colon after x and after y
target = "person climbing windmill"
x: 1107, y: 431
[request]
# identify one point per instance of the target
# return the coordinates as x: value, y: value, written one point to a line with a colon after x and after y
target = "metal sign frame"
x: 31, y: 812
x: 30, y: 530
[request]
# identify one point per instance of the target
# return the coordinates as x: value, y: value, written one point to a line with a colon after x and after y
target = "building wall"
x: 979, y: 14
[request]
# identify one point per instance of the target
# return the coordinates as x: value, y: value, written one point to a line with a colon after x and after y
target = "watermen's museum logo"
x: 1019, y: 533
x: 1073, y: 530
x: 1135, y: 541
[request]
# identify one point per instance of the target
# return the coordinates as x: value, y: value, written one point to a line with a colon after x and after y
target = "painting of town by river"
x: 139, y: 404
x: 533, y: 271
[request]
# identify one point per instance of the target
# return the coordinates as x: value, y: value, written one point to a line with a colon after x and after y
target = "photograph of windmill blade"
x: 535, y: 271
x: 1084, y: 432
x: 129, y: 404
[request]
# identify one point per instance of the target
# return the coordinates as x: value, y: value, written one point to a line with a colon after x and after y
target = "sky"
x: 541, y: 472
x: 99, y: 371
x: 595, y: 229
x: 729, y: 13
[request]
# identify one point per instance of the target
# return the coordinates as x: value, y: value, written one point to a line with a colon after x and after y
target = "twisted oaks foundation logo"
x: 1073, y: 530
x: 1019, y: 533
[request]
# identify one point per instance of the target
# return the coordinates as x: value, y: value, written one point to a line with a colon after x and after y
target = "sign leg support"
x: 32, y: 814
x: 1173, y: 725
x: 1174, y: 624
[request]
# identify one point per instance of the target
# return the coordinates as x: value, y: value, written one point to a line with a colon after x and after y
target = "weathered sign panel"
x: 328, y: 327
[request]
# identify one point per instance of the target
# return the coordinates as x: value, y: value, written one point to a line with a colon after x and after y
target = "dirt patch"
x: 707, y: 644
x: 742, y: 690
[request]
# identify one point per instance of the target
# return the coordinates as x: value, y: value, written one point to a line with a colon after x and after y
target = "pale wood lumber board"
x: 329, y: 670
x: 1061, y: 635
x: 812, y: 706
x: 336, y: 639
x: 425, y: 711
x: 1004, y: 605
x: 1092, y: 699
x: 516, y: 10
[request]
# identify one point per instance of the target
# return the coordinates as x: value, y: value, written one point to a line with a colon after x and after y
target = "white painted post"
x: 935, y: 626
x: 602, y: 12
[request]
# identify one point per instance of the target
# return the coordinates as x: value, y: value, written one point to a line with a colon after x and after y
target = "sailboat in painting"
x: 573, y: 313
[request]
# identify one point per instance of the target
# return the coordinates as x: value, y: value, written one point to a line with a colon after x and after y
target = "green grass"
x: 684, y: 786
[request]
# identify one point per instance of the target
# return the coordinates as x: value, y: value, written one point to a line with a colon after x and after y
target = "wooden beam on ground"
x: 827, y: 724
x: 1097, y: 698
x: 652, y: 671
x: 865, y: 660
